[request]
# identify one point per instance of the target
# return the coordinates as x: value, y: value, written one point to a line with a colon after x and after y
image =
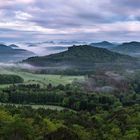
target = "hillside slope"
x: 103, y: 44
x: 83, y: 57
x: 13, y: 53
x: 130, y: 48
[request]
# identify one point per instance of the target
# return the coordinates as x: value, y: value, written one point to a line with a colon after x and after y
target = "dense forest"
x: 25, y: 123
x: 86, y: 114
x: 69, y: 96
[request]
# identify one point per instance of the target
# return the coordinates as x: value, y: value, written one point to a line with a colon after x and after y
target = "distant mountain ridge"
x: 13, y: 46
x: 103, y: 44
x: 13, y: 53
x: 4, y: 47
x: 83, y: 57
x: 130, y: 48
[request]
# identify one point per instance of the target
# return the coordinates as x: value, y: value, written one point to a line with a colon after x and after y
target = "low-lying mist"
x: 17, y: 66
x: 48, y: 47
x: 34, y: 69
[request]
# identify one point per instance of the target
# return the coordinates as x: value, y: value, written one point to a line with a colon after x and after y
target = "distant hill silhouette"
x: 103, y: 44
x: 13, y: 53
x: 131, y: 48
x: 83, y: 58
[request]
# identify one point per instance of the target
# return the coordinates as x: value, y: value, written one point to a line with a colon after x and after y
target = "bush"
x: 10, y: 79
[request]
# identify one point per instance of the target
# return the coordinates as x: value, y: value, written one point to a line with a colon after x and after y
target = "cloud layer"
x: 35, y: 20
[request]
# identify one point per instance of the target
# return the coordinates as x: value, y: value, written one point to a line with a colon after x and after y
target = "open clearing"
x: 52, y: 107
x: 42, y: 79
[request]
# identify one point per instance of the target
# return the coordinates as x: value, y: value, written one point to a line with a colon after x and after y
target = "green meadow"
x: 42, y: 79
x: 52, y: 107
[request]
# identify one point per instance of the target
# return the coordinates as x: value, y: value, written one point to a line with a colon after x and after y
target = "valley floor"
x: 43, y: 79
x: 53, y: 107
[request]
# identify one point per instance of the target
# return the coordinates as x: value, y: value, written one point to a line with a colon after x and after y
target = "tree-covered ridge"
x: 13, y: 49
x: 82, y: 54
x: 82, y: 60
x: 103, y: 44
x: 130, y: 47
x: 13, y: 53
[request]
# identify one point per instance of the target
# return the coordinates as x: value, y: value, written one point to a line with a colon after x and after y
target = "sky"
x: 88, y: 20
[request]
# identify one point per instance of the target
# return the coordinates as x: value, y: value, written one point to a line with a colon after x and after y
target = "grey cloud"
x: 132, y: 4
x: 70, y: 15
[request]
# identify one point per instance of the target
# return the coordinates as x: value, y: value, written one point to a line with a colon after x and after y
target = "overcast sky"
x: 93, y: 20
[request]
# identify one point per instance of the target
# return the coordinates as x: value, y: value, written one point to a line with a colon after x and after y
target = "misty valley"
x: 70, y: 90
x: 69, y: 69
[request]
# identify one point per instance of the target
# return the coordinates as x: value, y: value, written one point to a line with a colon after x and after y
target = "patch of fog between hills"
x: 49, y: 47
x: 44, y: 49
x: 115, y: 76
x: 17, y: 65
x: 31, y: 67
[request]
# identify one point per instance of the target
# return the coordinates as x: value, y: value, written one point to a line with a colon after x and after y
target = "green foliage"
x: 10, y: 79
x: 25, y: 123
x: 133, y: 134
x: 85, y: 115
x: 62, y: 134
x: 69, y: 96
x: 17, y: 130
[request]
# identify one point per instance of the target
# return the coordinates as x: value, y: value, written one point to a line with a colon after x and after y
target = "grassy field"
x: 52, y: 107
x: 43, y: 79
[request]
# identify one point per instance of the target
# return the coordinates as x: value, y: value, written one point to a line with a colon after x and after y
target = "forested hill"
x: 83, y: 57
x: 103, y: 44
x: 82, y: 54
x: 131, y: 48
